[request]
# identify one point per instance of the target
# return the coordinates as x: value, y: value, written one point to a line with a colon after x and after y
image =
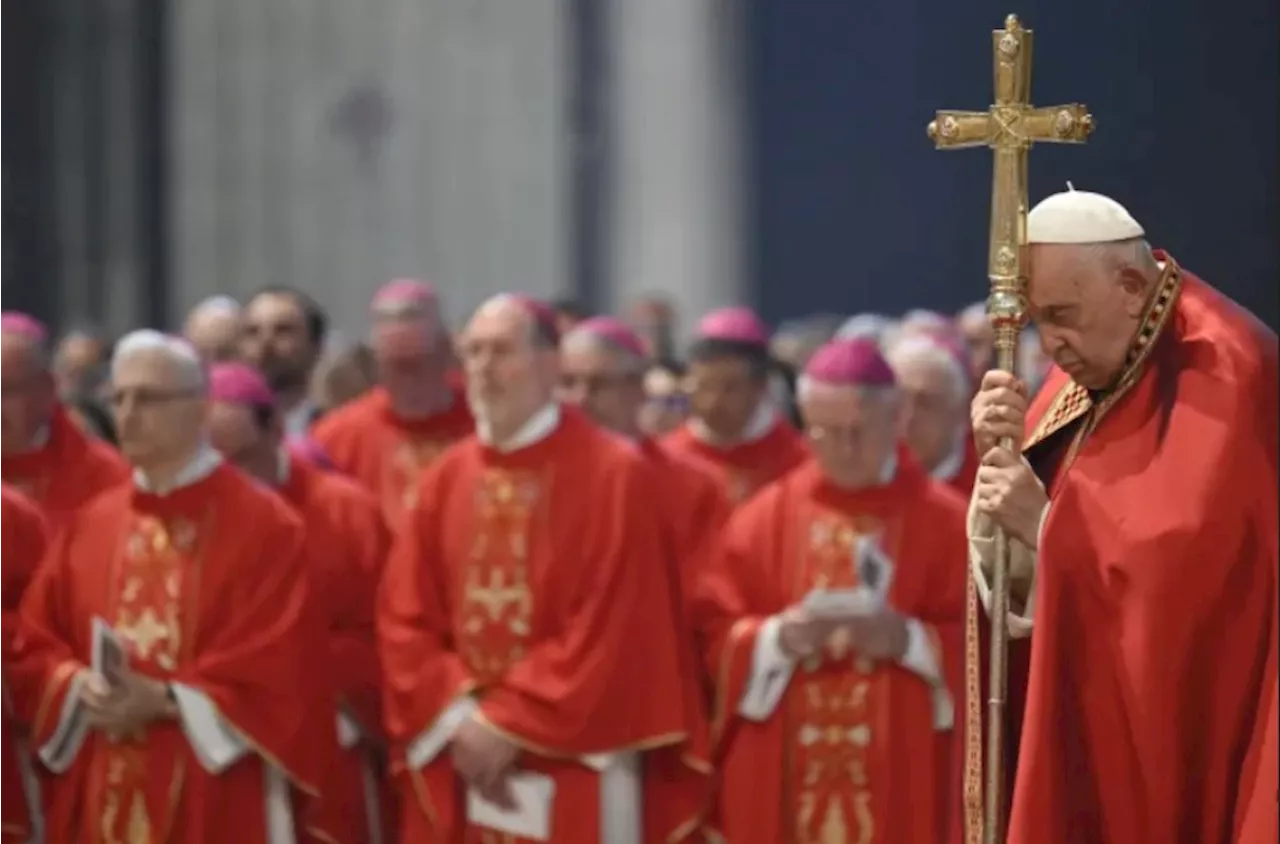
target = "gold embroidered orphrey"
x: 1009, y: 128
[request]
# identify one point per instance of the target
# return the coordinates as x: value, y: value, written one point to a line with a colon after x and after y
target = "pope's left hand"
x: 129, y: 707
x: 1011, y: 494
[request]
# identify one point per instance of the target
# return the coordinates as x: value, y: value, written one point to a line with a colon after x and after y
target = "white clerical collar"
x: 298, y: 420
x: 889, y: 470
x: 539, y: 427
x: 761, y: 423
x: 199, y: 467
x: 950, y: 465
x: 282, y: 466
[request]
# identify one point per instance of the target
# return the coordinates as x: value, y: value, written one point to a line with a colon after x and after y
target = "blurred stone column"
x: 331, y: 144
x: 677, y: 184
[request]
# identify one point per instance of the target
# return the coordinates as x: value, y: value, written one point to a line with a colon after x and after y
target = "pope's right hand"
x: 800, y: 635
x: 998, y: 410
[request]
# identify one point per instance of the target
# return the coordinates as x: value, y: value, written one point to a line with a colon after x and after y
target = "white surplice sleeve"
x: 771, y: 671
x: 428, y: 744
x: 216, y: 744
x: 61, y: 749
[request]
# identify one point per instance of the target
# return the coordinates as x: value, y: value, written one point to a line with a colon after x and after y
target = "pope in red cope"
x: 836, y: 725
x: 1141, y: 502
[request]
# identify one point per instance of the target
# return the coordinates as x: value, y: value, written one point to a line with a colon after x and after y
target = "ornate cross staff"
x: 1009, y: 128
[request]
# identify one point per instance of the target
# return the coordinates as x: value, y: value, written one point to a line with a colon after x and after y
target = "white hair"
x: 924, y: 349
x: 925, y: 319
x: 178, y: 351
x: 1134, y: 253
x: 219, y: 304
x: 978, y: 310
x: 868, y: 326
x: 581, y: 337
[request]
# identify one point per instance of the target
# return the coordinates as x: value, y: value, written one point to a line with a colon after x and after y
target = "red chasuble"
x: 68, y: 470
x: 346, y: 544
x: 386, y: 453
x: 851, y: 753
x: 22, y: 545
x: 745, y: 468
x: 1150, y: 705
x: 205, y: 586
x: 537, y: 580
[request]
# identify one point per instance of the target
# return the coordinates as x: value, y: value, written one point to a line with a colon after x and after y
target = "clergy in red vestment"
x: 160, y: 659
x: 935, y: 391
x: 1142, y: 512
x: 385, y: 438
x: 527, y: 631
x: 735, y: 428
x: 23, y: 545
x: 602, y: 367
x: 346, y: 544
x: 42, y: 452
x: 835, y: 607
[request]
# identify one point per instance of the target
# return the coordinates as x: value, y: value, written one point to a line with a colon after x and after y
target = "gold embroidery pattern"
x: 496, y: 609
x: 148, y: 620
x: 833, y: 739
x: 407, y: 460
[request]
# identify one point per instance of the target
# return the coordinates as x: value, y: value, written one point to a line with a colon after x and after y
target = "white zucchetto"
x: 1077, y: 216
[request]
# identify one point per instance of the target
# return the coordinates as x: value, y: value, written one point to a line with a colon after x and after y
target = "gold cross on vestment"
x: 497, y: 596
x: 145, y: 633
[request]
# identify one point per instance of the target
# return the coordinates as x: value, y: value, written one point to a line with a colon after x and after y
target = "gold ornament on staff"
x: 1009, y: 128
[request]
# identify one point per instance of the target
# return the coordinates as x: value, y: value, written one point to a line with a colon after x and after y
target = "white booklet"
x: 872, y: 571
x: 530, y: 818
x: 110, y: 659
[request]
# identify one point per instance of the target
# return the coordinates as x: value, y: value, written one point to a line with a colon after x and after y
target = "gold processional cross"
x: 1009, y: 128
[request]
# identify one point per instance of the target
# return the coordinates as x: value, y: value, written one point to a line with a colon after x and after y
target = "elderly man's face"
x: 1086, y: 314
x: 597, y: 380
x: 159, y: 413
x: 666, y: 406
x: 28, y: 394
x: 508, y: 377
x: 851, y: 431
x: 933, y: 408
x: 980, y: 337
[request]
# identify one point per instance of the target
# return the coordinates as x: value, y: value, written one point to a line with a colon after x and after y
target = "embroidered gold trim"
x: 651, y: 743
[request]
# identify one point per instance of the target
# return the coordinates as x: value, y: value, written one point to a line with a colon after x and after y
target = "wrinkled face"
x: 597, y: 380
x: 26, y: 394
x: 933, y: 408
x: 508, y: 378
x: 724, y: 393
x: 76, y: 362
x: 1086, y: 314
x: 275, y: 340
x: 851, y: 432
x: 665, y: 406
x: 216, y: 334
x: 159, y: 415
x: 234, y: 431
x: 981, y: 340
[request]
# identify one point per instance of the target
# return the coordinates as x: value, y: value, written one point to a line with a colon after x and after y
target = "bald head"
x: 214, y: 327
x: 935, y: 393
x: 509, y: 353
x: 158, y: 388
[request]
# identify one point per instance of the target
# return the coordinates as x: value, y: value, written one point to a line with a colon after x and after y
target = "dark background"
x: 856, y: 211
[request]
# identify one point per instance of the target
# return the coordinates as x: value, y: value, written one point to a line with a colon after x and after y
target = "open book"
x: 110, y: 659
